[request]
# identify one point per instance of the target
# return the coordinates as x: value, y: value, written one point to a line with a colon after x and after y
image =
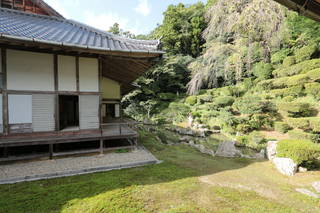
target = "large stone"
x: 302, y: 169
x: 203, y: 149
x: 308, y: 193
x: 272, y: 149
x: 285, y: 166
x: 261, y: 154
x: 316, y: 186
x: 228, y: 149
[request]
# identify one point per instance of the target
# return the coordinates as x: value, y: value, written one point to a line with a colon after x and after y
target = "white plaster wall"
x: 30, y: 71
x: 88, y: 75
x: 67, y: 80
x: 20, y: 109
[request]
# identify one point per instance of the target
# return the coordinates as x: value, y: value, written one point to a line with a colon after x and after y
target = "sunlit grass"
x: 187, y: 181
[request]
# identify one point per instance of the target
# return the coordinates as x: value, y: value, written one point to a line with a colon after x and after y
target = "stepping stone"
x: 308, y: 193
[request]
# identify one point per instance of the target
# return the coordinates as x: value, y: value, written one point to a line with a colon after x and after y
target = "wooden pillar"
x: 56, y: 89
x: 100, y: 91
x: 101, y: 147
x: 5, y: 115
x: 51, y: 151
x: 77, y: 74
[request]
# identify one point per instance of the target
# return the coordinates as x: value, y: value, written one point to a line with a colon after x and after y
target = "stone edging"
x: 78, y: 172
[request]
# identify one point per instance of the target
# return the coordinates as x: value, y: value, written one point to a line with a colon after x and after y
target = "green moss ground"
x: 187, y: 181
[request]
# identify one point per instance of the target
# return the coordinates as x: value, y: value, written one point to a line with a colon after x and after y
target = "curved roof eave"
x: 308, y: 8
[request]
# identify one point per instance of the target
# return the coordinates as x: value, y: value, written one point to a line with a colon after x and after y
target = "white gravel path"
x: 36, y: 170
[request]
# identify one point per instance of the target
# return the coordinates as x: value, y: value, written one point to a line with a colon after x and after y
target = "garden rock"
x: 228, y: 149
x: 261, y: 154
x: 308, y: 193
x: 316, y: 186
x: 203, y: 149
x: 285, y: 166
x: 302, y: 169
x: 272, y: 149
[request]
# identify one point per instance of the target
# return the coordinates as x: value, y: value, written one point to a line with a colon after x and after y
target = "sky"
x: 137, y: 16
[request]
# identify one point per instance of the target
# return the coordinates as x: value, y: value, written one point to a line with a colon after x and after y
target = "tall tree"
x: 182, y: 28
x: 244, y: 33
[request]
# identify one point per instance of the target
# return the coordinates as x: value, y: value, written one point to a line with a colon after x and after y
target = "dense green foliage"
x: 181, y: 29
x: 300, y: 151
x: 258, y: 75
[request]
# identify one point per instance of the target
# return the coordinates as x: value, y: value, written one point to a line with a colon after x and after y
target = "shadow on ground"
x: 184, y: 174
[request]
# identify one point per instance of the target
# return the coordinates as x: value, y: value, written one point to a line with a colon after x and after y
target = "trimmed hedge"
x: 295, y: 91
x: 224, y: 101
x: 204, y: 98
x: 191, y: 100
x: 295, y: 109
x: 313, y: 89
x: 299, y: 123
x: 254, y: 140
x: 289, y: 61
x: 300, y: 68
x: 298, y: 80
x: 300, y: 134
x: 311, y: 123
x: 299, y: 151
x: 305, y: 53
x: 253, y: 105
x: 281, y: 127
x: 314, y: 74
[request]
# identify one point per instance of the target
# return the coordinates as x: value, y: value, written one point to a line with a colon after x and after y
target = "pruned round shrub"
x: 299, y: 151
x: 295, y: 109
x: 278, y: 57
x: 254, y: 140
x: 223, y: 101
x: 299, y: 123
x: 204, y: 98
x: 262, y: 70
x: 295, y: 91
x: 315, y: 124
x: 253, y: 105
x: 307, y: 124
x: 298, y: 80
x: 305, y: 53
x: 266, y: 84
x: 281, y: 127
x: 313, y: 89
x: 289, y: 61
x: 300, y: 68
x: 288, y: 98
x: 314, y: 74
x: 300, y: 134
x: 191, y: 100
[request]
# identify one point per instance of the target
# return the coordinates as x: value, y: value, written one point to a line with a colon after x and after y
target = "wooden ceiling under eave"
x: 126, y: 70
x: 309, y: 8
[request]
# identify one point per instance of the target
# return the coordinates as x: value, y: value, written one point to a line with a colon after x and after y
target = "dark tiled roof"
x: 24, y: 26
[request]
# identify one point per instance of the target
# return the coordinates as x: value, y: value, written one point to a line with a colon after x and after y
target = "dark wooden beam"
x: 5, y: 115
x: 100, y: 90
x: 56, y: 89
x: 50, y: 151
x: 30, y: 92
x: 77, y: 73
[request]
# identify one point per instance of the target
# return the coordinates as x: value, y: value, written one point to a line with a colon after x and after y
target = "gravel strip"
x: 29, y: 171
